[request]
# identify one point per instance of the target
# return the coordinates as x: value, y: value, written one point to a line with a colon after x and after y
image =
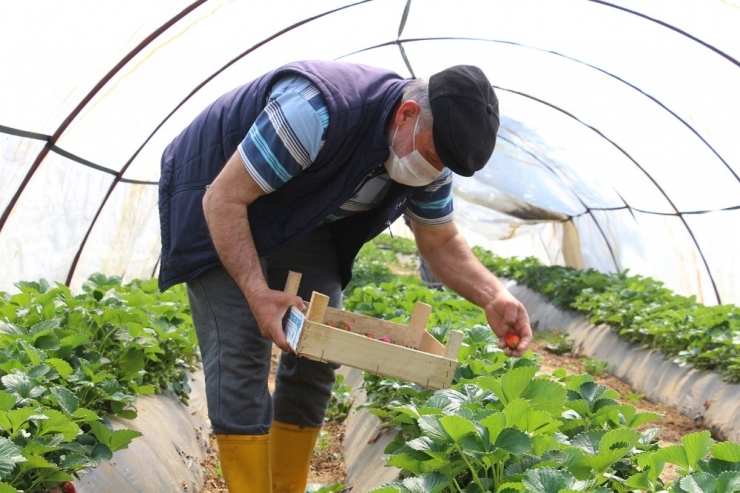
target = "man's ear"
x: 408, y: 110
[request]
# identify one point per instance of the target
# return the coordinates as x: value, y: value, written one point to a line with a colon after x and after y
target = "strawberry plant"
x: 513, y: 428
x: 640, y: 309
x: 66, y: 361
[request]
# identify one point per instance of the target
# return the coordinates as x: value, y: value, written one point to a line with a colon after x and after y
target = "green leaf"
x: 10, y: 455
x: 619, y: 438
x: 83, y: 415
x: 727, y: 451
x: 132, y: 361
x: 7, y: 401
x: 62, y: 367
x: 516, y: 411
x: 580, y: 406
x: 592, y: 393
x: 699, y: 483
x: 495, y: 423
x: 66, y: 399
x: 673, y: 454
x: 44, y: 326
x: 36, y: 463
x: 697, y: 446
x: 427, y: 483
x: 544, y: 443
x: 99, y: 454
x: 47, y: 342
x: 406, y: 462
x: 146, y: 390
x: 728, y: 482
x: 433, y: 428
x: 22, y: 386
x: 6, y: 488
x: 12, y: 329
x: 57, y: 423
x: 12, y: 421
x: 634, y: 419
x: 514, y: 441
x: 457, y: 427
x: 515, y: 381
x: 545, y: 395
x: 605, y: 459
x: 35, y: 355
x: 639, y: 481
x: 588, y: 441
x: 114, y: 440
x: 547, y: 480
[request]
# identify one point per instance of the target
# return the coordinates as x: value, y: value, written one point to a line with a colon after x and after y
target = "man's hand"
x: 269, y: 308
x: 451, y: 259
x: 507, y: 316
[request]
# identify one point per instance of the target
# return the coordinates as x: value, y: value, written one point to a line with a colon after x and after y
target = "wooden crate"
x: 412, y: 354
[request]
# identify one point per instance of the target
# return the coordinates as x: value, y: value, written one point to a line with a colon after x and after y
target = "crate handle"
x: 292, y: 283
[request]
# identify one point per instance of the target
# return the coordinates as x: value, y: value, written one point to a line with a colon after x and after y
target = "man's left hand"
x: 507, y: 315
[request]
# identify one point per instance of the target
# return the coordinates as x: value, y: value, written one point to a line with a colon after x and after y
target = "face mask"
x: 412, y: 170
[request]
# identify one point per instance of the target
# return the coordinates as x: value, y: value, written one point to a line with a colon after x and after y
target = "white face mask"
x: 412, y: 170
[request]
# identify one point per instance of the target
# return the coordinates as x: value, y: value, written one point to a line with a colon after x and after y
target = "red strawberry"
x: 370, y: 335
x: 385, y: 338
x: 69, y: 487
x: 512, y: 340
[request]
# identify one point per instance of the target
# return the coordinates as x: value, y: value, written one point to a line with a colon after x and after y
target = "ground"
x: 327, y: 466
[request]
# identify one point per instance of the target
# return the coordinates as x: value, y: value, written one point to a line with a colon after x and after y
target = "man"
x: 296, y: 170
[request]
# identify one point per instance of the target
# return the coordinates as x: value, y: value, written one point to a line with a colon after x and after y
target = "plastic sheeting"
x: 619, y: 118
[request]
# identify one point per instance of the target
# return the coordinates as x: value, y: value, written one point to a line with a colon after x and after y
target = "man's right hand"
x: 269, y: 308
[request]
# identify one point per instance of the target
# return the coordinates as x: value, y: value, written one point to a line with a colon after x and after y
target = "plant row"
x: 68, y: 361
x: 505, y: 426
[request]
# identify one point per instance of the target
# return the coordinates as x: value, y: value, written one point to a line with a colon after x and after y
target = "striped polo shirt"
x: 288, y: 135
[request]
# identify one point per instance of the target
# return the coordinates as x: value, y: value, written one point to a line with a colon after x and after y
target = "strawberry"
x: 385, y: 338
x: 346, y: 327
x: 512, y: 340
x: 69, y: 487
x: 370, y: 335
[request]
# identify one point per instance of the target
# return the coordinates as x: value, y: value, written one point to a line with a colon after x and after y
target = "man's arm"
x: 225, y: 207
x: 453, y: 262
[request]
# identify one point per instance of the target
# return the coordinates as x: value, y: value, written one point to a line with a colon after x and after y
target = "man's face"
x: 404, y: 143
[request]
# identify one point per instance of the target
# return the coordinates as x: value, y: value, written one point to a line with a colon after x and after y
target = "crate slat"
x: 323, y: 343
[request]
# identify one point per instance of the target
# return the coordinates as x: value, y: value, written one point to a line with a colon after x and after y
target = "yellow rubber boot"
x: 291, y: 447
x: 245, y: 462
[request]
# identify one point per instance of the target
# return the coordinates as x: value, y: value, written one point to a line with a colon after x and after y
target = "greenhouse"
x: 609, y: 209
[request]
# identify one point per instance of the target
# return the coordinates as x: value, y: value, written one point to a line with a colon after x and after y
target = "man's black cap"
x: 465, y: 113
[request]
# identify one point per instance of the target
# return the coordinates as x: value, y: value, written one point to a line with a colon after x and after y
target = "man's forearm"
x: 228, y: 224
x: 458, y: 268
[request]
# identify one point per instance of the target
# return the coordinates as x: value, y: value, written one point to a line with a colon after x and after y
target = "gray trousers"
x: 236, y: 358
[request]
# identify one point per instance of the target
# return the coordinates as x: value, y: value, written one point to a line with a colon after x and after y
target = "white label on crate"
x: 293, y: 325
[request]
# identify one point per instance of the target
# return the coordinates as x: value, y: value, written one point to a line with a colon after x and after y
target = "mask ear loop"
x: 413, y: 139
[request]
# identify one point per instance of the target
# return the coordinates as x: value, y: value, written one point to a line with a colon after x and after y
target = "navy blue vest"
x: 360, y: 100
